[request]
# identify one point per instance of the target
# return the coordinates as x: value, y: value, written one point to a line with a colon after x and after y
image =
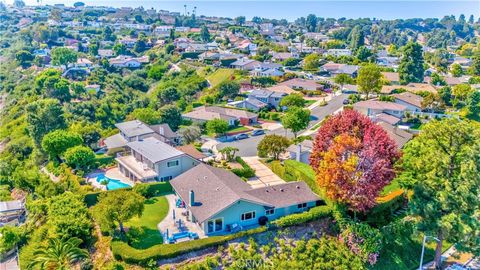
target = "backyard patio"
x: 171, y: 221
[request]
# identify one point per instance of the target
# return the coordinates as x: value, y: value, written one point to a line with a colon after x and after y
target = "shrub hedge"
x: 122, y: 251
x: 293, y: 170
x: 246, y: 171
x: 382, y: 213
x: 103, y: 160
x: 152, y: 190
x: 295, y: 219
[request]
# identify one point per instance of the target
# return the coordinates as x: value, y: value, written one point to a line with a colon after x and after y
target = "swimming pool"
x: 112, y: 183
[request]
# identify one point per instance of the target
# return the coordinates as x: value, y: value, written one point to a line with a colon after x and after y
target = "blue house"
x: 220, y: 202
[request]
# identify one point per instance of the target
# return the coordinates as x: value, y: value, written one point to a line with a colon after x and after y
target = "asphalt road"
x: 248, y: 147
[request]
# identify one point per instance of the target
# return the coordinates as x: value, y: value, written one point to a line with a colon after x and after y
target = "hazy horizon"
x: 290, y: 10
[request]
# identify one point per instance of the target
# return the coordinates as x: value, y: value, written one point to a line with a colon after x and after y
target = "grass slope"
x: 156, y: 209
x: 219, y: 76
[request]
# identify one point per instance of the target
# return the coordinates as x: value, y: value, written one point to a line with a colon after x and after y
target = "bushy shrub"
x: 311, y: 215
x: 246, y: 171
x: 122, y: 251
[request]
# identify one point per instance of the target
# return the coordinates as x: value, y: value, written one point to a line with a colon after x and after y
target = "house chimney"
x: 192, y: 198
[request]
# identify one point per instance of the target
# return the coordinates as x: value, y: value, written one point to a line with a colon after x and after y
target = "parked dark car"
x: 258, y: 132
x: 241, y: 136
x: 346, y: 102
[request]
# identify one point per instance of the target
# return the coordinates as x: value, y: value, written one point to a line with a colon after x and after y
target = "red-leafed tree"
x: 353, y: 159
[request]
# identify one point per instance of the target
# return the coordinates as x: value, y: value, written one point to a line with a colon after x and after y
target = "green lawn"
x: 144, y: 228
x: 309, y: 102
x: 219, y: 76
x: 237, y: 129
x: 393, y: 186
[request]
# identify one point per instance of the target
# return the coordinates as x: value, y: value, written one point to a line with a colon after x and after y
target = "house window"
x: 248, y: 216
x: 215, y: 225
x: 173, y: 163
x: 166, y: 178
x: 269, y: 212
x: 302, y: 205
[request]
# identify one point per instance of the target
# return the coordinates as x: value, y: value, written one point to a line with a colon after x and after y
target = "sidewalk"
x: 264, y: 176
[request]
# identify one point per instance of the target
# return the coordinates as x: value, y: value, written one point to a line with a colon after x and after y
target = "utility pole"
x: 423, y: 249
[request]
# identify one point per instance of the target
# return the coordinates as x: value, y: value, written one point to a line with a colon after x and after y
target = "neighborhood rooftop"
x: 216, y: 188
x: 133, y: 128
x: 154, y: 150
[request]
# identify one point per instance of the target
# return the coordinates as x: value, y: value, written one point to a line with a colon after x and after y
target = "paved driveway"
x: 248, y: 147
x: 265, y: 176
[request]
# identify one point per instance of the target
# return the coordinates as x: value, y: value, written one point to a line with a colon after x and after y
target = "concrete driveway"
x: 265, y: 176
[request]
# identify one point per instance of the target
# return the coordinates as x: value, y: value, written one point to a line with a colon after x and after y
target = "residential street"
x: 248, y: 147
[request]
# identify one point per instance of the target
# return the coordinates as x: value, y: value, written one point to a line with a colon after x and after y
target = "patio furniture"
x: 234, y: 227
x: 181, y: 235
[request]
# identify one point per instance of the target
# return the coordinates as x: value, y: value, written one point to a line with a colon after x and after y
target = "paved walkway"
x: 265, y: 176
x: 10, y: 264
x: 170, y: 224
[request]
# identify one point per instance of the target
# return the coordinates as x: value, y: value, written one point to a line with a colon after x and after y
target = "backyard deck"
x: 170, y: 224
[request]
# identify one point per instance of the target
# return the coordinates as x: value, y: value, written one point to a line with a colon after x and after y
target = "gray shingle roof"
x: 284, y: 195
x: 154, y: 150
x: 134, y: 128
x: 216, y: 189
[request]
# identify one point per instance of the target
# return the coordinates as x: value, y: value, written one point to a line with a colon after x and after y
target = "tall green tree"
x: 24, y: 58
x: 63, y: 56
x: 411, y: 64
x: 58, y: 141
x: 343, y: 79
x: 473, y: 104
x: 60, y: 255
x: 369, y: 79
x: 311, y: 62
x: 293, y: 100
x: 68, y: 217
x: 442, y: 165
x: 356, y: 38
x: 115, y: 208
x: 311, y: 22
x: 475, y: 67
x: 296, y: 119
x: 217, y: 126
x: 189, y: 134
x: 44, y: 116
x: 171, y: 115
x: 228, y: 89
x: 204, y: 34
x: 273, y: 146
x: 79, y: 157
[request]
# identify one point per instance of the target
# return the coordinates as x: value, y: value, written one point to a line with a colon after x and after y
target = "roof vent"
x: 298, y: 187
x: 267, y: 190
x: 217, y: 189
x: 281, y: 190
x: 205, y: 177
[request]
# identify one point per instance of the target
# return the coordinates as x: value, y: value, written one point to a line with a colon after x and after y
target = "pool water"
x: 112, y: 183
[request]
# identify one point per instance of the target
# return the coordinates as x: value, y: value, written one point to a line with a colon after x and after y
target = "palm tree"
x: 59, y: 255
